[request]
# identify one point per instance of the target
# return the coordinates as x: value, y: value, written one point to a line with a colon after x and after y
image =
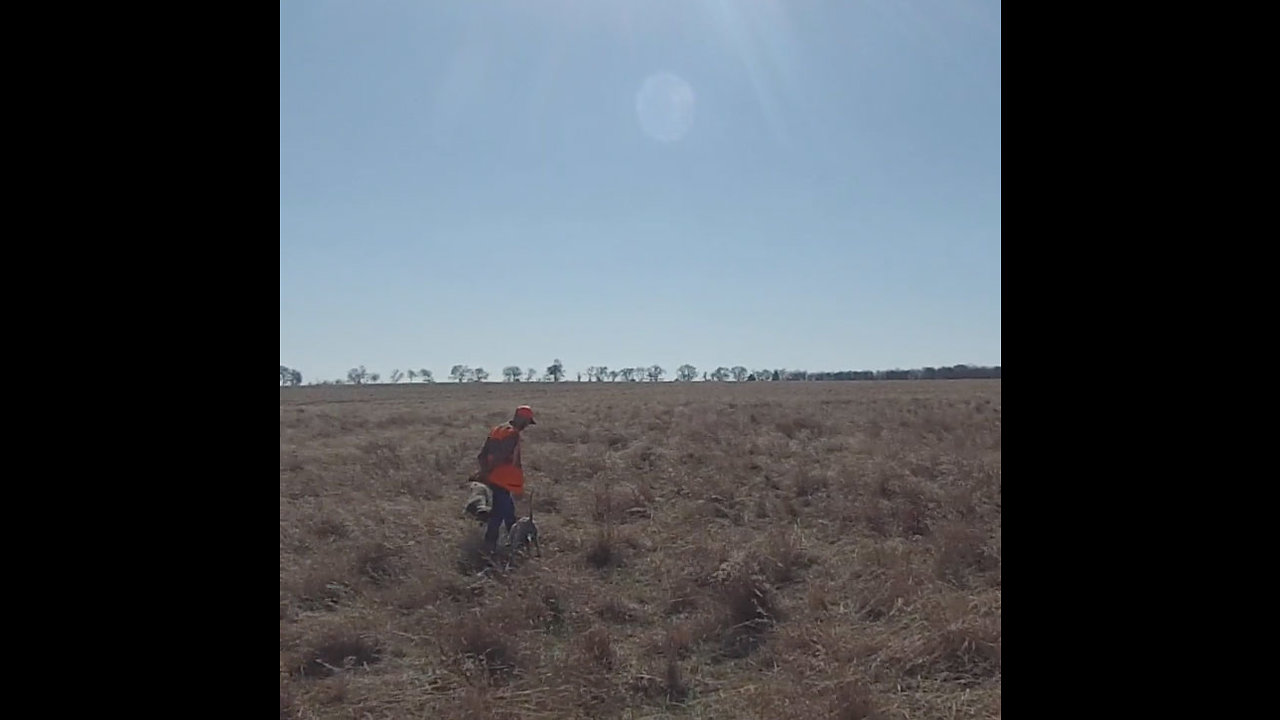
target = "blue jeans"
x: 503, y: 513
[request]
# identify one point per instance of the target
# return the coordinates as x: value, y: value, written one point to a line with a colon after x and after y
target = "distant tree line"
x: 653, y: 373
x: 289, y: 377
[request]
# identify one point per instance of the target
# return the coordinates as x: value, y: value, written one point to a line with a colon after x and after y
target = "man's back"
x: 500, y: 457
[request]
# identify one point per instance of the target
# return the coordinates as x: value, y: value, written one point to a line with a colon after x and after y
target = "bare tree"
x: 357, y: 376
x: 412, y: 374
x: 613, y: 375
x: 720, y: 374
x: 396, y: 375
x: 374, y: 377
x: 426, y: 375
x: 655, y: 373
x: 479, y: 375
x: 459, y: 373
x: 739, y: 373
x: 686, y: 373
x: 530, y: 374
x: 511, y: 373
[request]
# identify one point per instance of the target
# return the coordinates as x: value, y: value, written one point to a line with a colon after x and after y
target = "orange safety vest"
x: 500, y: 459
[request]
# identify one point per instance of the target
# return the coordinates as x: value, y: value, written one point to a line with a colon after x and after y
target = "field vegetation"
x: 709, y: 550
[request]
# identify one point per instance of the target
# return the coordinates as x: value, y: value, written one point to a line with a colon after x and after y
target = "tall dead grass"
x: 723, y: 551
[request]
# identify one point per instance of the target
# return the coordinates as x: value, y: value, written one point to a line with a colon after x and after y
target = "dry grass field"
x: 710, y: 550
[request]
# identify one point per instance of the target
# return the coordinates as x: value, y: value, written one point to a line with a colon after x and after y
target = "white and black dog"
x: 523, y: 535
x: 479, y: 502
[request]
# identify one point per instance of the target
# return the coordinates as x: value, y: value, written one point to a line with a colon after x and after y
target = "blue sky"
x: 809, y: 184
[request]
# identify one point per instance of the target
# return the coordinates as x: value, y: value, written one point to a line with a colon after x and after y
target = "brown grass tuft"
x: 972, y: 650
x: 610, y: 504
x: 853, y: 701
x: 749, y: 610
x: 484, y: 645
x: 784, y: 558
x: 596, y: 650
x: 604, y: 551
x: 552, y: 609
x: 800, y: 426
x: 913, y: 519
x: 965, y: 653
x: 478, y: 702
x: 819, y: 598
x: 681, y: 603
x: 380, y: 564
x: 679, y: 642
x: 618, y: 611
x: 670, y: 686
x: 545, y: 500
x: 338, y: 651
x: 884, y: 598
x: 332, y: 690
x: 809, y: 483
x: 382, y: 460
x: 876, y: 516
x: 676, y: 688
x: 331, y: 528
x: 761, y: 508
x: 962, y: 554
x: 322, y: 590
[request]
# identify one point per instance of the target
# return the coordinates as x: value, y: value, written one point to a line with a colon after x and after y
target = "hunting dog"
x: 523, y: 535
x: 479, y: 503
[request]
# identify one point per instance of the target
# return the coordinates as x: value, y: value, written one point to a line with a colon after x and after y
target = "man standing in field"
x: 501, y: 470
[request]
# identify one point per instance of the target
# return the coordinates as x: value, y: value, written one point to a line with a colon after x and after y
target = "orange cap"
x: 526, y: 412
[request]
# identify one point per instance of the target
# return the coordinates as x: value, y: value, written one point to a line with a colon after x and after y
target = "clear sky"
x: 811, y: 184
